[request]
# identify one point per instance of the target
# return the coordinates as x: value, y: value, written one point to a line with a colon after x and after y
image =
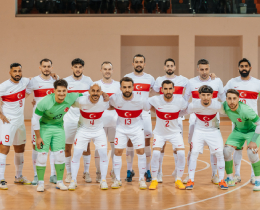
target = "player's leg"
x: 160, y: 174
x: 4, y: 150
x: 86, y: 161
x: 110, y: 133
x: 53, y: 177
x: 129, y: 159
x: 34, y: 157
x: 214, y: 168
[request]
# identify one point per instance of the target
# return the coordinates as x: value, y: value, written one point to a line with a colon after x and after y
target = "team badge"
x: 239, y: 120
x: 66, y: 109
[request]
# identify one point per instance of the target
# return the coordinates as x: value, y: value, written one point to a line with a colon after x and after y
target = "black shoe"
x: 148, y: 176
x: 130, y: 175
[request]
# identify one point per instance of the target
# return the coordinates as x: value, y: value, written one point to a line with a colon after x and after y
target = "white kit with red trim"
x: 76, y: 86
x: 110, y: 116
x: 167, y: 114
x: 248, y: 90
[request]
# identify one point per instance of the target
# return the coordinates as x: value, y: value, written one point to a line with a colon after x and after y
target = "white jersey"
x: 90, y: 114
x: 167, y: 114
x: 40, y: 87
x: 248, y: 90
x: 195, y: 83
x: 180, y: 83
x: 129, y: 112
x: 206, y: 117
x: 76, y: 86
x: 13, y: 97
x: 110, y: 116
x: 142, y: 84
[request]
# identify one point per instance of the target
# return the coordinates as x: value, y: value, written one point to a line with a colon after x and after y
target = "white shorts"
x: 12, y: 133
x: 83, y: 138
x: 70, y: 129
x: 110, y: 133
x: 176, y: 140
x: 213, y: 139
x: 137, y: 139
x: 147, y: 124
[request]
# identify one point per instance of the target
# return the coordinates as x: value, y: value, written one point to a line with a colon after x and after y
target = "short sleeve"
x: 151, y: 100
x: 41, y: 106
x: 90, y: 82
x: 152, y: 82
x: 112, y: 100
x: 30, y: 86
x: 220, y: 88
x: 221, y: 109
x: 157, y: 86
x: 184, y: 104
x: 190, y: 108
x: 76, y: 103
x: 73, y: 97
x: 250, y: 114
x: 187, y: 93
x: 227, y: 86
x: 2, y: 89
x: 146, y: 105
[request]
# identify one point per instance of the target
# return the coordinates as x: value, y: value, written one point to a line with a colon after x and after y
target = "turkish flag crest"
x: 66, y: 109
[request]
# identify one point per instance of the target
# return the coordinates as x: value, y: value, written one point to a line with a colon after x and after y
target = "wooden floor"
x: 205, y: 195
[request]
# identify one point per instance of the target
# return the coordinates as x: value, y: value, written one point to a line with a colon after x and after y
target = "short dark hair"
x: 205, y: 89
x: 138, y: 55
x: 77, y: 61
x: 60, y: 82
x: 244, y: 60
x: 169, y: 59
x: 167, y: 82
x: 45, y: 60
x: 106, y: 62
x: 15, y: 65
x: 126, y: 79
x: 202, y: 61
x: 233, y: 91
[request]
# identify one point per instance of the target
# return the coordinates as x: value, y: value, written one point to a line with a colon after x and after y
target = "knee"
x: 59, y: 157
x: 194, y: 155
x: 68, y: 148
x: 103, y: 153
x: 140, y: 151
x: 228, y: 150
x: 19, y: 149
x: 118, y: 152
x: 181, y: 153
x: 156, y: 154
x: 41, y: 158
x: 252, y: 157
x: 219, y: 155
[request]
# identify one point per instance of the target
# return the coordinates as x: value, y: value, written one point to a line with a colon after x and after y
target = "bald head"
x: 95, y: 93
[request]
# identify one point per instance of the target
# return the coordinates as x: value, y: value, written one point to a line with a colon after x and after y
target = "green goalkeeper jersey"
x: 244, y: 118
x: 52, y: 112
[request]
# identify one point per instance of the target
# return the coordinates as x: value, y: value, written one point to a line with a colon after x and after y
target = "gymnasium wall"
x: 221, y: 40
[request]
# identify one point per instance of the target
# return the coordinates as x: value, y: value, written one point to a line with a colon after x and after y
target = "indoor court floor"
x: 205, y: 195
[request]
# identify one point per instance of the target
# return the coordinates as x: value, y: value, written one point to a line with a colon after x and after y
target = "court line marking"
x: 188, y: 204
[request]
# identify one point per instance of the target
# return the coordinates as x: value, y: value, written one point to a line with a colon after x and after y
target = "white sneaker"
x: 35, y: 180
x: 3, y: 185
x: 23, y: 180
x: 142, y: 185
x: 159, y: 178
x: 185, y: 181
x: 116, y: 184
x: 40, y: 187
x: 112, y: 174
x: 103, y: 185
x: 237, y: 179
x: 72, y: 185
x: 252, y: 180
x: 68, y: 178
x: 61, y: 186
x: 87, y: 177
x: 98, y: 177
x: 214, y: 179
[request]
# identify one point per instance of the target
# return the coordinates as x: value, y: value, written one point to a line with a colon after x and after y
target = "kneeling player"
x: 90, y: 127
x: 167, y: 108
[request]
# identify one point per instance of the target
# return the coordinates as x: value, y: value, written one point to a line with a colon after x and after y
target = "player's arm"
x: 213, y: 76
x: 29, y: 88
x: 37, y: 115
x: 186, y: 109
x: 55, y: 76
x: 105, y: 96
x: 187, y: 93
x: 146, y: 105
x: 111, y: 103
x: 2, y: 116
x: 221, y: 91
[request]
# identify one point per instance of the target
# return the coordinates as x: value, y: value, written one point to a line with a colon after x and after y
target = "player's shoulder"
x: 217, y: 79
x: 194, y: 79
x: 183, y: 78
x: 129, y: 75
x: 149, y: 76
x: 116, y: 82
x: 86, y: 79
x: 255, y: 79
x: 159, y: 79
x: 25, y: 80
x: 68, y: 79
x: 47, y: 99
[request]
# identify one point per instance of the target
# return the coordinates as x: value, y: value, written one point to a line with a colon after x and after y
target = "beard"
x: 16, y: 78
x: 244, y: 73
x: 127, y: 94
x: 77, y: 75
x: 206, y: 103
x: 168, y: 95
x: 93, y: 97
x: 139, y: 70
x: 170, y: 73
x: 46, y: 75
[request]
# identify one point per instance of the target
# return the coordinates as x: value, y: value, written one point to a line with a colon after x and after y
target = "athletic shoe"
x: 112, y: 174
x: 23, y: 180
x: 214, y: 179
x: 179, y: 185
x: 185, y: 181
x: 103, y: 185
x: 159, y: 177
x: 252, y: 180
x: 61, y: 186
x: 53, y: 179
x: 148, y: 176
x: 98, y: 177
x: 223, y: 185
x: 153, y: 185
x: 230, y: 182
x: 35, y: 180
x: 3, y: 185
x: 68, y: 178
x: 40, y: 187
x: 87, y: 177
x: 237, y: 179
x: 72, y: 185
x: 189, y: 185
x: 142, y: 185
x: 257, y: 186
x: 129, y: 176
x: 116, y: 184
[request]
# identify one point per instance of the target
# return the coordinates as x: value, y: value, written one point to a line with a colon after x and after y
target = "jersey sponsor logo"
x: 128, y: 113
x: 57, y: 117
x: 91, y: 115
x: 11, y: 91
x: 177, y: 90
x: 43, y: 92
x: 167, y: 115
x: 195, y: 94
x: 66, y: 109
x: 206, y: 118
x: 71, y: 87
x: 239, y: 120
x: 77, y: 91
x: 247, y: 94
x: 236, y: 87
x: 40, y: 86
x: 14, y: 97
x: 141, y: 87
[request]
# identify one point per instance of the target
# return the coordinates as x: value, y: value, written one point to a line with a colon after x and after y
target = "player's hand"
x: 33, y: 102
x: 54, y: 76
x: 3, y: 118
x: 253, y: 147
x: 213, y: 76
x: 39, y: 143
x: 105, y: 96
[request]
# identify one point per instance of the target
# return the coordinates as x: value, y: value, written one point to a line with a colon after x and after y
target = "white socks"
x: 188, y: 158
x: 141, y: 165
x: 103, y: 162
x: 237, y: 157
x: 117, y: 166
x: 97, y: 161
x: 86, y: 160
x: 175, y: 160
x: 34, y: 158
x: 68, y: 164
x: 180, y: 163
x: 2, y: 166
x: 52, y: 161
x: 18, y: 162
x: 193, y: 165
x: 160, y: 162
x: 147, y: 151
x: 75, y: 163
x: 220, y: 165
x: 155, y: 163
x: 213, y: 161
x: 130, y: 157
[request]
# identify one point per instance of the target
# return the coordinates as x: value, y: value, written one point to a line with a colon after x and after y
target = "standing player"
x: 109, y: 86
x: 193, y: 86
x: 206, y: 130
x: 142, y: 84
x: 77, y: 83
x: 248, y: 88
x: 90, y: 127
x: 48, y: 127
x: 167, y: 108
x: 129, y: 106
x: 12, y: 128
x: 247, y: 128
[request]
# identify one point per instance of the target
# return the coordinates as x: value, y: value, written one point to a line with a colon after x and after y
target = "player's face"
x: 206, y: 98
x: 16, y: 73
x: 232, y: 100
x: 169, y: 67
x: 95, y: 92
x: 244, y: 69
x: 60, y: 93
x: 203, y: 70
x: 139, y: 64
x: 77, y: 70
x: 46, y: 68
x: 107, y: 71
x: 168, y: 90
x: 127, y: 89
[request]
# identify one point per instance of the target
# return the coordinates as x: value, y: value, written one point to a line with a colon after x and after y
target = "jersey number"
x: 154, y: 142
x: 243, y: 100
x: 92, y: 122
x: 116, y: 141
x: 128, y: 121
x: 21, y: 103
x: 6, y: 138
x: 206, y: 124
x: 167, y: 123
